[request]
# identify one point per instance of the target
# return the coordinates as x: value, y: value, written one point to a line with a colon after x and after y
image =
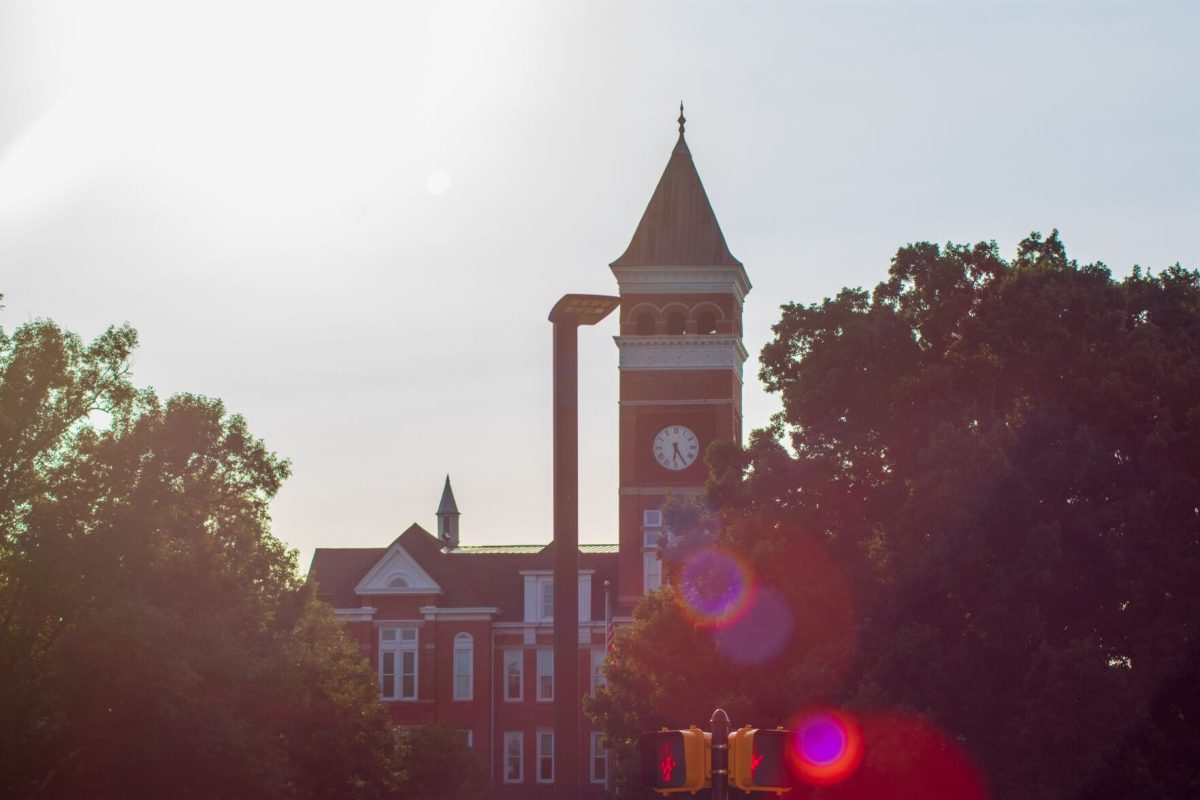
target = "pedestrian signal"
x: 675, y: 761
x: 758, y: 760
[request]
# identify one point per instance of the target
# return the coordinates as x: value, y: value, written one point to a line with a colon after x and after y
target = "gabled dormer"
x: 397, y: 573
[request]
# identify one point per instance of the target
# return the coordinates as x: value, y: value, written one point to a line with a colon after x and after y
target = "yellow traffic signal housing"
x: 675, y: 761
x: 758, y: 760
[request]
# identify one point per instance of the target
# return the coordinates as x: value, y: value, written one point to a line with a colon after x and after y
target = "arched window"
x: 464, y: 671
x: 706, y: 322
x: 675, y: 323
x: 398, y: 582
x: 645, y: 324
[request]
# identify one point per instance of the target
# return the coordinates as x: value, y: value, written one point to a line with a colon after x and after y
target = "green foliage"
x: 155, y: 639
x: 440, y: 766
x: 995, y: 465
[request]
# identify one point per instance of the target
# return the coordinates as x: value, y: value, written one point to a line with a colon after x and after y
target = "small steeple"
x: 447, y: 516
x: 678, y: 228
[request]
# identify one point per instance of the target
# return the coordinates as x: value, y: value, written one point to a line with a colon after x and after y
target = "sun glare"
x: 278, y: 108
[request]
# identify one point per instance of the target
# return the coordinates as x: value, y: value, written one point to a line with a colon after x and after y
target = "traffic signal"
x: 675, y: 761
x: 758, y: 760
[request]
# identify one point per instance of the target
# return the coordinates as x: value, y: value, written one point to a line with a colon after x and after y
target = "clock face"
x: 676, y: 447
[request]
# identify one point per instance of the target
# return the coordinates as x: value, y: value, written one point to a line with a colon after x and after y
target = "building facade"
x: 463, y: 635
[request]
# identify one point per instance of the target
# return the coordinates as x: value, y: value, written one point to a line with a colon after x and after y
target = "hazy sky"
x: 349, y: 220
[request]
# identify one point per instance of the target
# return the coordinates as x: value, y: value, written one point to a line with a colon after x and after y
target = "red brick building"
x: 463, y: 635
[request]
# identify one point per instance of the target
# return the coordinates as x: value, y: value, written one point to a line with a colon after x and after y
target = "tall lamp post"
x: 567, y: 315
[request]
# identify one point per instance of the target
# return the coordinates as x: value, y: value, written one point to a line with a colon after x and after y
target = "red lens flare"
x: 716, y: 587
x: 909, y: 758
x: 827, y: 747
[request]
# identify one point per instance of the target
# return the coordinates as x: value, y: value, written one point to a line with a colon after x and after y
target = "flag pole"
x: 608, y: 646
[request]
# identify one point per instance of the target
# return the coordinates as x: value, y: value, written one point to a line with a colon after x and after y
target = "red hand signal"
x: 755, y: 759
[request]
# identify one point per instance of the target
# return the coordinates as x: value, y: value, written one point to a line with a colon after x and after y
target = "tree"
x: 440, y: 766
x: 1000, y: 464
x: 155, y: 638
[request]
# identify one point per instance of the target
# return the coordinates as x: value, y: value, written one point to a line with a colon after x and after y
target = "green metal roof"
x: 531, y: 548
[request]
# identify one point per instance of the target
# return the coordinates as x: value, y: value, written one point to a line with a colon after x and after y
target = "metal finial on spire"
x: 682, y: 118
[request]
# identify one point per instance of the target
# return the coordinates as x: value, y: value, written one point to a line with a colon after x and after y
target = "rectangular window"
x: 387, y: 673
x: 545, y: 756
x: 651, y: 570
x: 514, y: 757
x: 652, y: 518
x: 514, y: 675
x: 463, y: 667
x: 545, y: 674
x: 468, y: 737
x: 547, y: 590
x: 598, y: 679
x: 398, y: 663
x: 650, y: 539
x: 599, y: 759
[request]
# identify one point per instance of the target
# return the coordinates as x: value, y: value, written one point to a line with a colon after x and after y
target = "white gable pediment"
x: 397, y: 573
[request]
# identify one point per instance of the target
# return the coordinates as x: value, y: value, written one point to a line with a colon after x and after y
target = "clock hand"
x: 678, y: 456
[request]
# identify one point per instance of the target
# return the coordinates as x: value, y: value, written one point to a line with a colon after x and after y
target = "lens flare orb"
x: 716, y: 587
x: 760, y: 634
x: 827, y: 747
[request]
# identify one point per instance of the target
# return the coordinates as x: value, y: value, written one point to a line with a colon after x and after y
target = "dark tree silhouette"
x: 155, y: 639
x: 994, y: 467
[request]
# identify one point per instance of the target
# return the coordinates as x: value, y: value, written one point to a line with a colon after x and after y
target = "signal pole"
x: 720, y: 754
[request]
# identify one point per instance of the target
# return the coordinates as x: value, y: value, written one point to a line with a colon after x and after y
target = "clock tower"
x: 681, y: 357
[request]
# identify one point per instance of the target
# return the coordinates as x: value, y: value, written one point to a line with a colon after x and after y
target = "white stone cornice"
x: 459, y: 614
x: 709, y: 351
x: 683, y: 280
x: 363, y: 614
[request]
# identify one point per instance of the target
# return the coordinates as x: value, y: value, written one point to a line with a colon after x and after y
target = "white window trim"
x: 545, y: 600
x: 539, y: 582
x: 399, y: 647
x: 540, y: 675
x: 596, y: 748
x: 652, y: 518
x: 463, y: 643
x: 520, y: 662
x: 470, y: 736
x: 537, y: 775
x: 651, y: 567
x: 596, y: 663
x: 519, y: 738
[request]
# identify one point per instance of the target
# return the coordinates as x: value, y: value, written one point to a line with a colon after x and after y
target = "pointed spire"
x: 447, y: 515
x: 678, y: 228
x: 447, y: 506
